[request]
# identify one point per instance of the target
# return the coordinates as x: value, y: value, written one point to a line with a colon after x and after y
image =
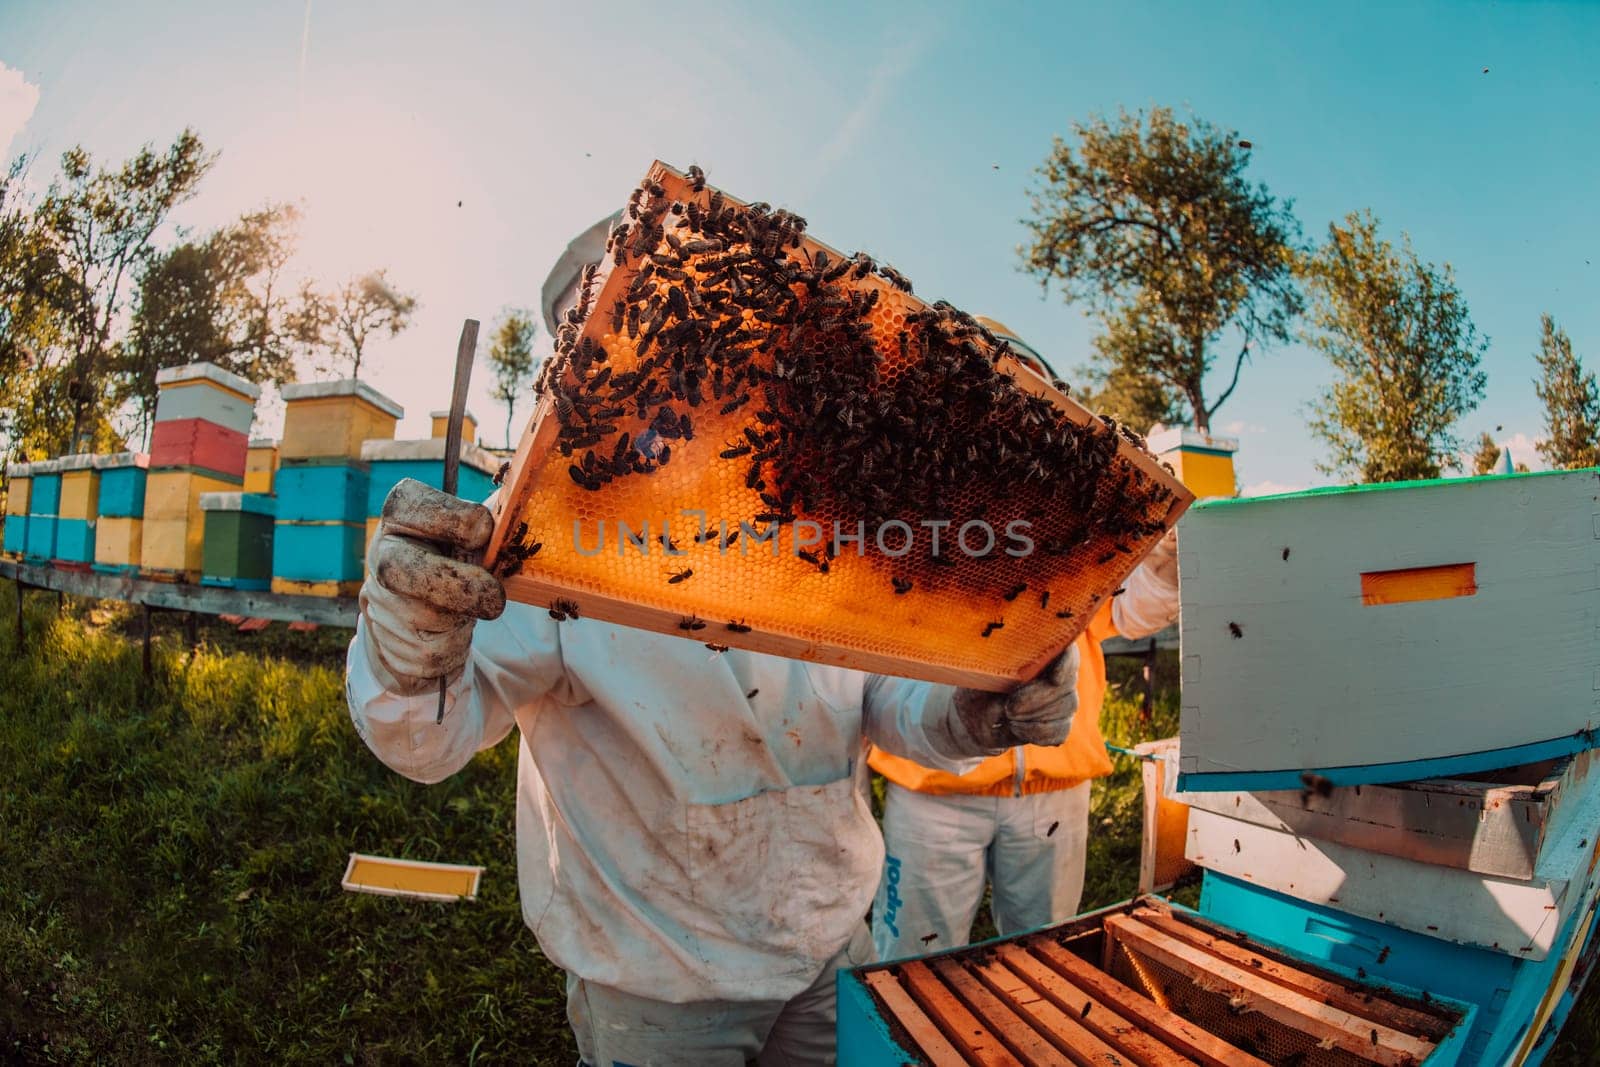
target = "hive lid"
x: 262, y: 442
x: 990, y: 612
x: 116, y: 460
x: 46, y: 466
x: 19, y: 470
x: 82, y: 461
x: 428, y: 449
x: 210, y: 372
x: 344, y: 387
x: 255, y: 503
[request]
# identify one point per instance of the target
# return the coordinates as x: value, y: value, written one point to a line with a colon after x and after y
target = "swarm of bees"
x: 729, y: 309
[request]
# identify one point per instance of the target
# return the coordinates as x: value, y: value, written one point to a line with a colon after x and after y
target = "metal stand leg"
x: 20, y: 633
x: 191, y: 630
x: 146, y: 609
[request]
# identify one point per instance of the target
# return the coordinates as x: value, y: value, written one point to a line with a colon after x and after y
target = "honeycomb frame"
x: 846, y: 609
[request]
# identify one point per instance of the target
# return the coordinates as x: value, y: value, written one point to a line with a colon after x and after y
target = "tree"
x: 100, y: 224
x: 30, y: 283
x: 1140, y: 401
x: 1154, y: 224
x: 1406, y: 353
x: 217, y: 300
x: 511, y: 356
x: 1487, y: 457
x: 340, y: 324
x: 1571, y: 402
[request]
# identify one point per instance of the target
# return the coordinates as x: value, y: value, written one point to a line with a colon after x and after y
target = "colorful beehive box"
x: 206, y: 392
x: 238, y: 540
x: 122, y: 482
x: 329, y: 420
x: 862, y: 460
x: 260, y: 464
x: 1203, y: 462
x: 44, y: 505
x: 1146, y: 982
x: 441, y: 425
x: 1390, y: 633
x: 75, y: 517
x: 118, y: 543
x: 392, y: 461
x: 199, y: 444
x: 19, y: 487
x: 174, y: 525
x: 317, y: 558
x: 323, y: 490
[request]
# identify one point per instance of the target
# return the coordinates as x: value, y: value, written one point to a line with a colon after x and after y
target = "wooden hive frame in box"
x: 727, y: 450
x: 1141, y: 983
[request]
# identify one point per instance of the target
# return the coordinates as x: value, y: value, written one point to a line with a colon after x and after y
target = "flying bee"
x: 697, y: 178
x: 902, y: 586
x: 752, y: 694
x: 1236, y: 630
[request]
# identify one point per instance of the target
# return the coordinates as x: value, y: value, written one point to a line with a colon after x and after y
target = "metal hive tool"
x: 837, y: 397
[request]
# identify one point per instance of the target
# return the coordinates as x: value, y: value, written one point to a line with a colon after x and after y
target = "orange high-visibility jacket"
x: 1030, y: 768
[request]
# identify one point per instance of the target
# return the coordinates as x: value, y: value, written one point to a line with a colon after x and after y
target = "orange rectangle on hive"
x: 1419, y: 583
x: 750, y: 440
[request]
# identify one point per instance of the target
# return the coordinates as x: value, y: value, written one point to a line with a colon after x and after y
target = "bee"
x: 1286, y: 552
x: 718, y: 649
x: 500, y: 475
x: 809, y: 557
x: 691, y: 624
x: 562, y: 610
x: 1016, y: 591
x: 1107, y: 558
x: 1236, y: 630
x: 990, y: 628
x: 697, y: 178
x: 928, y: 938
x: 738, y: 627
x: 735, y: 452
x: 1044, y: 600
x: 752, y: 694
x: 735, y: 404
x: 895, y: 278
x: 901, y: 585
x: 1053, y: 828
x: 681, y: 576
x: 1120, y: 591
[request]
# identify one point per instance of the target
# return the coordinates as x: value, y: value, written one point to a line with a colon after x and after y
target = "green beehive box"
x: 238, y: 540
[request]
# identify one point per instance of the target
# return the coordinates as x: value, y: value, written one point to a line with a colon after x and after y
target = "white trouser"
x: 617, y: 1029
x: 940, y: 848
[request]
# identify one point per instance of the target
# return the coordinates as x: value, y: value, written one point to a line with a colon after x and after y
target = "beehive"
x: 237, y: 553
x: 317, y: 558
x: 206, y: 392
x: 966, y: 617
x: 328, y: 420
x: 1145, y: 983
x: 122, y: 481
x: 200, y: 444
x: 44, y: 505
x: 174, y: 525
x: 260, y: 464
x: 118, y: 544
x: 79, y: 506
x: 323, y: 490
x: 441, y: 425
x: 1389, y: 633
x: 423, y: 460
x: 1203, y: 462
x: 19, y: 485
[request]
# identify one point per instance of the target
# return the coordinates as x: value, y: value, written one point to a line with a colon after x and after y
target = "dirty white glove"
x: 1034, y: 713
x: 1149, y: 602
x: 424, y: 590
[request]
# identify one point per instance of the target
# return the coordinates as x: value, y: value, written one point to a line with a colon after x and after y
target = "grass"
x: 170, y: 858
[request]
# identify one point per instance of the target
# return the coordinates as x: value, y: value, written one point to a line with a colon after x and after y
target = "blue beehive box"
x: 44, y: 504
x: 122, y: 478
x: 74, y: 540
x: 333, y: 490
x: 424, y: 460
x: 317, y: 551
x: 19, y: 490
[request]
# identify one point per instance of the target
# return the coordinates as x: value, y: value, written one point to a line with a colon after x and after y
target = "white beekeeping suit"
x: 693, y: 843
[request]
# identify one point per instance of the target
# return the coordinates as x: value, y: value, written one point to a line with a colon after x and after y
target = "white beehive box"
x: 1390, y: 633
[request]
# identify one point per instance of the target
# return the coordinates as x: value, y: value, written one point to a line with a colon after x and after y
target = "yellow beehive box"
x: 80, y: 487
x: 329, y: 420
x: 290, y: 587
x: 174, y: 492
x: 441, y: 425
x: 173, y: 547
x: 117, y: 541
x: 260, y: 465
x: 1203, y: 462
x: 18, y: 487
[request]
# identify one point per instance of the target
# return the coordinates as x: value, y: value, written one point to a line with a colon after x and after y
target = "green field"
x: 170, y: 859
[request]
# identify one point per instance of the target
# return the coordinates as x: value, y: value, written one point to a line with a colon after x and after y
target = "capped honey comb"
x: 748, y: 439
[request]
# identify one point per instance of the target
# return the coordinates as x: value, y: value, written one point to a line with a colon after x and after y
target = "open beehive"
x: 750, y: 439
x: 1142, y: 983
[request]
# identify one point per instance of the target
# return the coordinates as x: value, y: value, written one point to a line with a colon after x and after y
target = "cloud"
x: 18, y: 98
x: 1270, y: 487
x: 1238, y: 428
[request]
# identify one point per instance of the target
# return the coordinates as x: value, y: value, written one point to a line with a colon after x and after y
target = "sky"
x: 463, y: 145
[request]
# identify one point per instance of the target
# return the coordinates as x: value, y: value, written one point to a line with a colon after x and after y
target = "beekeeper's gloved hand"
x: 1035, y: 713
x: 424, y: 590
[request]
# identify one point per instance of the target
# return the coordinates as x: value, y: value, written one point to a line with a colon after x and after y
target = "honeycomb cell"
x: 724, y: 377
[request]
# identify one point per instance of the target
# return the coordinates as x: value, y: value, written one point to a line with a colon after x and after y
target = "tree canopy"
x: 511, y: 357
x: 1151, y: 220
x: 1404, y: 350
x: 1571, y: 402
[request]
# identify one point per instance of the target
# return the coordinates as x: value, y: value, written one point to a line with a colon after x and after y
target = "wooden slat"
x: 1205, y: 1048
x: 1018, y: 1034
x: 980, y: 1047
x: 1066, y: 1029
x: 1362, y: 1037
x: 1417, y: 1023
x: 1085, y: 1010
x: 935, y: 1048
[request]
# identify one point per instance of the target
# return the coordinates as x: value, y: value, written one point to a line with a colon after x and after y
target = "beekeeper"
x: 1019, y: 820
x: 693, y: 843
